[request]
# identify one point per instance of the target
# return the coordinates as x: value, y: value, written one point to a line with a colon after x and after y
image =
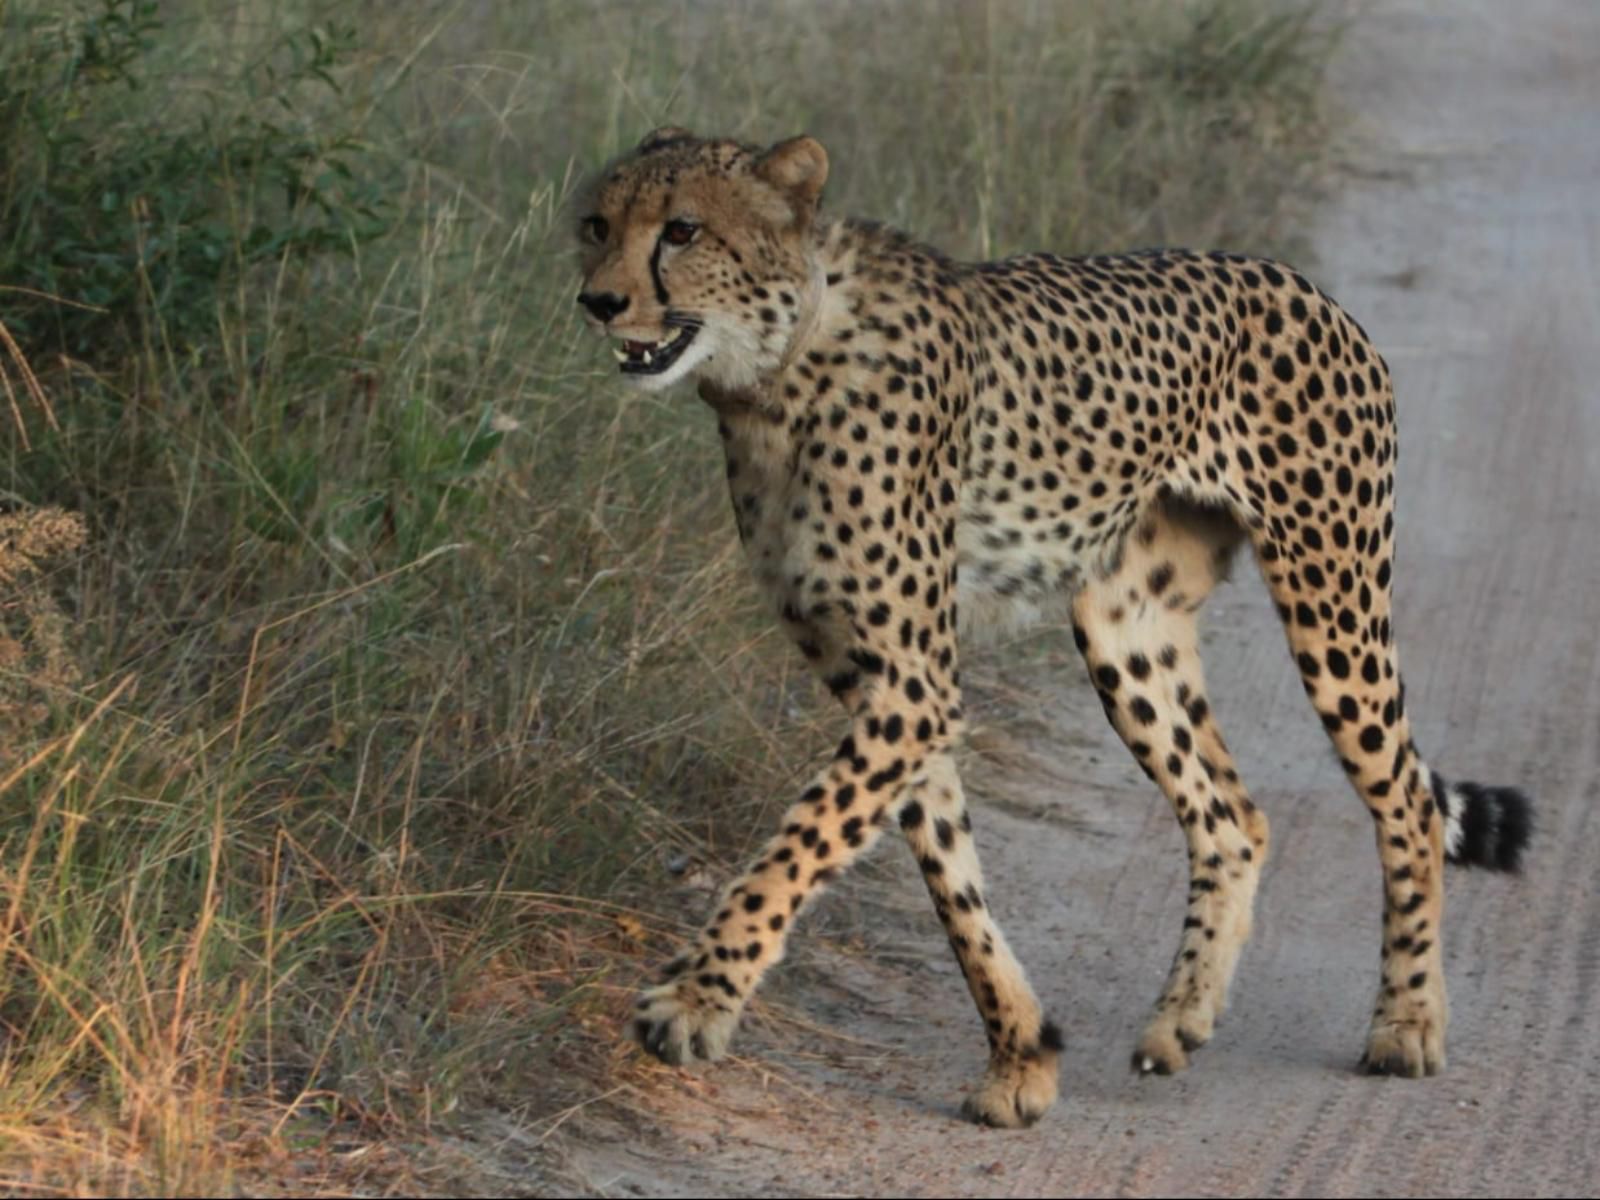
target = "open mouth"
x: 652, y: 358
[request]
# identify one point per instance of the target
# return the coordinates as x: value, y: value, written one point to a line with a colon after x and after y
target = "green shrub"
x: 127, y: 211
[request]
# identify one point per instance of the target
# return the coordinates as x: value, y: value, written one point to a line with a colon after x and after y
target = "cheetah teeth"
x: 633, y: 351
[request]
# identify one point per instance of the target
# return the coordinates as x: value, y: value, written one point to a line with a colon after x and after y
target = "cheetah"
x: 919, y: 449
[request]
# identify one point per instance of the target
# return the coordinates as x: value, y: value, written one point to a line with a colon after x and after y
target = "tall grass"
x: 410, y: 659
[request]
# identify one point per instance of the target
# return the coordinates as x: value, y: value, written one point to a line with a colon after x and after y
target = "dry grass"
x: 408, y: 689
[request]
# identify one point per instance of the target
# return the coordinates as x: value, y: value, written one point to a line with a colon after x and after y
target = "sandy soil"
x: 1465, y: 235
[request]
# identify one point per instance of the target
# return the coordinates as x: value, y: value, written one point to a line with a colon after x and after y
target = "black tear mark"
x: 655, y: 276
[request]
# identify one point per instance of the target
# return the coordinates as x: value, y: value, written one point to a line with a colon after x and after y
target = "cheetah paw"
x: 1166, y: 1045
x: 1409, y: 1048
x: 680, y: 1025
x: 1014, y: 1094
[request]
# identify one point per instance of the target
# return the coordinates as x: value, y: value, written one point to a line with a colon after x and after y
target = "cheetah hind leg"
x: 1137, y: 630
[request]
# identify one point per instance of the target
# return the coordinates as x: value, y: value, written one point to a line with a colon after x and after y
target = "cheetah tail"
x: 1483, y: 826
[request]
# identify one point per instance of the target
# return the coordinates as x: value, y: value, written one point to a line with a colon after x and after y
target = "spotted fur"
x: 917, y: 447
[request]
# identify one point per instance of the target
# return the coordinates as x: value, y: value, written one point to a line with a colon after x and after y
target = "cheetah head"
x: 698, y: 257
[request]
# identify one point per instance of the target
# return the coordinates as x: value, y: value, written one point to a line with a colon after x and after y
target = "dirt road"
x: 1466, y: 238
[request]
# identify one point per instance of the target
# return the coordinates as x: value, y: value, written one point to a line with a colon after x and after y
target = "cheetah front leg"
x: 894, y: 763
x: 901, y: 718
x: 1020, y: 1083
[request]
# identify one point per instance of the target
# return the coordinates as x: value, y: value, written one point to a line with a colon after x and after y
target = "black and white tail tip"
x: 1484, y: 826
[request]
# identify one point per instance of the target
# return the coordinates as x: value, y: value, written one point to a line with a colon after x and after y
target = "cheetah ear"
x: 657, y: 138
x: 798, y: 168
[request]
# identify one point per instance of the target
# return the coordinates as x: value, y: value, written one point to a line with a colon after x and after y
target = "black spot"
x: 888, y: 775
x: 1050, y: 1037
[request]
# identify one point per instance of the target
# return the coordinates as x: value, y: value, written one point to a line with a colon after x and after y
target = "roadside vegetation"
x: 377, y: 674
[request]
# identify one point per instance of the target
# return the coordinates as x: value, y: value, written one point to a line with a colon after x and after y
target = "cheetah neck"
x: 763, y: 397
x: 810, y: 312
x: 855, y: 268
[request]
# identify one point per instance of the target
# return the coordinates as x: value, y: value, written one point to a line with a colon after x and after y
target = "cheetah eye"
x: 597, y: 229
x: 679, y: 233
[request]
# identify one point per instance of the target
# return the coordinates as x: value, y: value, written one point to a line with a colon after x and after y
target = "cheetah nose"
x: 603, y: 305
